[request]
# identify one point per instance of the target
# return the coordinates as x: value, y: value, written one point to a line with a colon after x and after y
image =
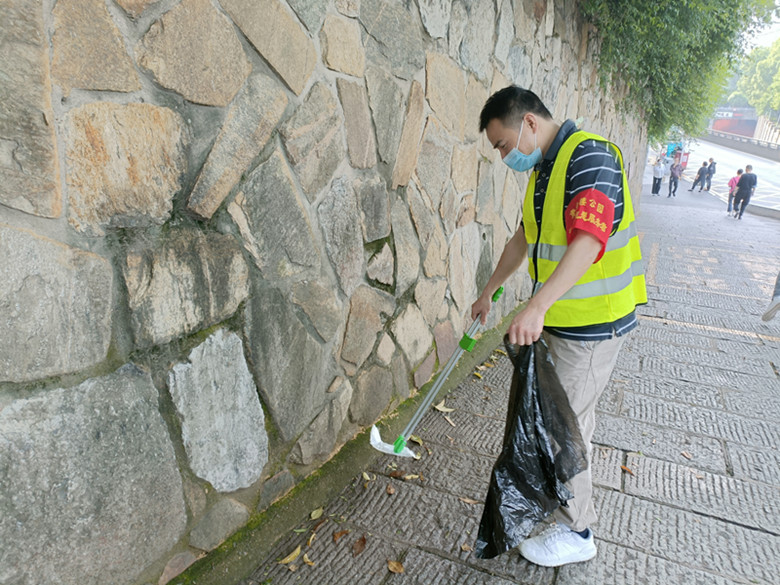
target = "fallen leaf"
x: 311, y: 539
x: 416, y: 439
x: 481, y: 368
x: 390, y: 490
x: 398, y: 473
x: 299, y: 530
x: 291, y: 557
x: 366, y: 476
x: 308, y: 561
x: 292, y: 568
x: 501, y: 351
x: 395, y: 567
x: 421, y: 477
x: 319, y: 524
x: 626, y: 469
x: 466, y: 548
x: 489, y: 365
x: 478, y: 375
x: 449, y: 420
x: 686, y: 455
x: 441, y: 408
x: 359, y: 546
x: 339, y: 534
x: 468, y: 501
x: 408, y: 477
x: 317, y: 514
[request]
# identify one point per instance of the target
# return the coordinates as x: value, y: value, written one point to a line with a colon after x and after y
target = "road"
x: 728, y: 161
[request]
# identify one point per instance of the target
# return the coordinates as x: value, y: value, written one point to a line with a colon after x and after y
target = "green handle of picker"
x: 497, y: 294
x: 399, y: 444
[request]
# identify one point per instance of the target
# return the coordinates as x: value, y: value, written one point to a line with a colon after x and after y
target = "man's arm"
x: 527, y: 325
x: 515, y: 251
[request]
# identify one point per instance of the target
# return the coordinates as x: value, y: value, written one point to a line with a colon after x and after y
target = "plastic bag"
x: 542, y: 449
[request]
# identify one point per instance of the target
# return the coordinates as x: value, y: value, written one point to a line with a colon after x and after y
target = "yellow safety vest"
x: 613, y: 286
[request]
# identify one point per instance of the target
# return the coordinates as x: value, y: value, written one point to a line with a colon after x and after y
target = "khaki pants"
x: 583, y: 368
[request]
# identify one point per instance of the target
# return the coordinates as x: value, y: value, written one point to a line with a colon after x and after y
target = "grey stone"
x: 135, y: 8
x: 29, y: 174
x: 278, y: 37
x: 274, y: 223
x: 458, y: 19
x: 446, y: 342
x: 476, y: 96
x: 176, y: 566
x: 386, y: 99
x: 88, y: 51
x: 374, y: 389
x: 400, y: 377
x: 519, y: 65
x: 348, y: 7
x: 424, y: 371
x: 393, y: 33
x: 311, y: 12
x: 342, y: 48
x: 434, y: 161
x: 435, y: 262
x: 207, y: 68
x: 125, y: 164
x: 361, y: 145
x: 222, y: 520
x: 407, y: 247
x: 222, y: 422
x: 478, y: 40
x: 512, y: 203
x: 381, y: 266
x: 340, y: 222
x: 445, y: 90
x: 319, y: 440
x: 429, y: 295
x: 412, y: 334
x: 423, y: 214
x: 275, y: 487
x: 506, y: 32
x: 409, y: 147
x: 321, y: 305
x: 464, y: 168
x: 465, y: 252
x: 467, y: 211
x: 55, y: 307
x: 365, y: 322
x: 250, y: 121
x: 385, y: 350
x: 374, y: 207
x: 75, y: 465
x: 448, y: 209
x: 436, y: 17
x: 187, y: 282
x: 291, y: 368
x: 314, y: 139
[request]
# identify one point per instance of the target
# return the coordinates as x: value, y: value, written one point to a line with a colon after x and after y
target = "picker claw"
x: 379, y: 445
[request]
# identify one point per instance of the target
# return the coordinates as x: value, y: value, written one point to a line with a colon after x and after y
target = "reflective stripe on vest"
x: 610, y: 288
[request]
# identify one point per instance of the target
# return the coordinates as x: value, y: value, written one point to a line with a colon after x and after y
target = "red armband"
x: 593, y: 212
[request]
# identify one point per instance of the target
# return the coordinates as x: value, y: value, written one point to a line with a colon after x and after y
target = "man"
x: 745, y: 189
x: 701, y: 176
x: 579, y: 235
x: 710, y: 172
x: 674, y: 179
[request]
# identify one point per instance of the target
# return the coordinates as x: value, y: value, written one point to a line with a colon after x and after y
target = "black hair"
x: 739, y: 171
x: 509, y: 105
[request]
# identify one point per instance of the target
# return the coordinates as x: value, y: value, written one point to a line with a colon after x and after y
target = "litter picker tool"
x: 399, y: 448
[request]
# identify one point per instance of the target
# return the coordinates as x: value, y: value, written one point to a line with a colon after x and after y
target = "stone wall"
x: 232, y: 234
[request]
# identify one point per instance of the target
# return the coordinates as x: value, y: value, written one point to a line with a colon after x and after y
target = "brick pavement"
x: 692, y: 409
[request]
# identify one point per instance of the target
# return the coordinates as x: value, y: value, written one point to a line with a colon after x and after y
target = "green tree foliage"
x: 674, y: 57
x: 760, y: 80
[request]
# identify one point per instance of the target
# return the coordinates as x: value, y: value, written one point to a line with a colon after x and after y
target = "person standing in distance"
x: 658, y: 176
x: 733, y: 181
x: 745, y: 189
x: 701, y: 176
x: 579, y: 235
x: 710, y: 172
x: 674, y: 178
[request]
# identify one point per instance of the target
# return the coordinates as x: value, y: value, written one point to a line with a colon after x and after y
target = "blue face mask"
x: 520, y: 162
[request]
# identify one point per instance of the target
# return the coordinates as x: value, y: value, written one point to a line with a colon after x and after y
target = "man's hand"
x: 527, y: 326
x: 481, y: 307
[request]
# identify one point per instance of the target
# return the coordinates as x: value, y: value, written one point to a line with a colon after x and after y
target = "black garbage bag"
x: 542, y: 449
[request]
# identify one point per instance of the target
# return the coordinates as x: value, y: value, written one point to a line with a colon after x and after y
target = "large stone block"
x: 314, y: 139
x: 277, y: 36
x: 321, y: 305
x: 436, y: 17
x: 204, y: 68
x: 445, y: 89
x: 55, y: 307
x: 340, y: 222
x: 381, y: 266
x: 476, y: 96
x: 374, y: 207
x: 187, y: 282
x: 365, y: 322
x: 386, y: 98
x: 412, y: 334
x: 90, y: 491
x: 479, y: 40
x: 274, y: 223
x: 465, y: 252
x: 249, y: 123
x: 311, y: 12
x: 407, y: 247
x: 434, y: 161
x: 319, y: 440
x: 125, y: 164
x: 506, y: 32
x: 222, y: 520
x: 357, y: 120
x: 464, y: 168
x: 409, y: 147
x: 393, y: 34
x: 222, y: 422
x: 429, y: 296
x: 342, y: 49
x: 135, y: 8
x: 292, y: 369
x: 29, y: 173
x: 88, y: 51
x: 372, y: 395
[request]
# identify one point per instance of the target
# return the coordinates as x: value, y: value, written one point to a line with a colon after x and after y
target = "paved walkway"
x: 692, y: 410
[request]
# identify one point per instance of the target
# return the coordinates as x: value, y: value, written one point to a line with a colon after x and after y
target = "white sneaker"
x: 558, y: 545
x: 771, y: 310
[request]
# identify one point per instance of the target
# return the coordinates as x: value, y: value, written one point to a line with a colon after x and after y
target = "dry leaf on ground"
x: 390, y: 490
x: 395, y: 567
x: 441, y: 408
x: 291, y: 557
x: 308, y: 561
x: 468, y: 501
x: 466, y: 548
x: 317, y: 514
x: 339, y: 534
x: 686, y: 455
x: 398, y: 473
x: 359, y: 546
x: 311, y: 539
x: 626, y: 469
x: 449, y: 420
x: 415, y: 439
